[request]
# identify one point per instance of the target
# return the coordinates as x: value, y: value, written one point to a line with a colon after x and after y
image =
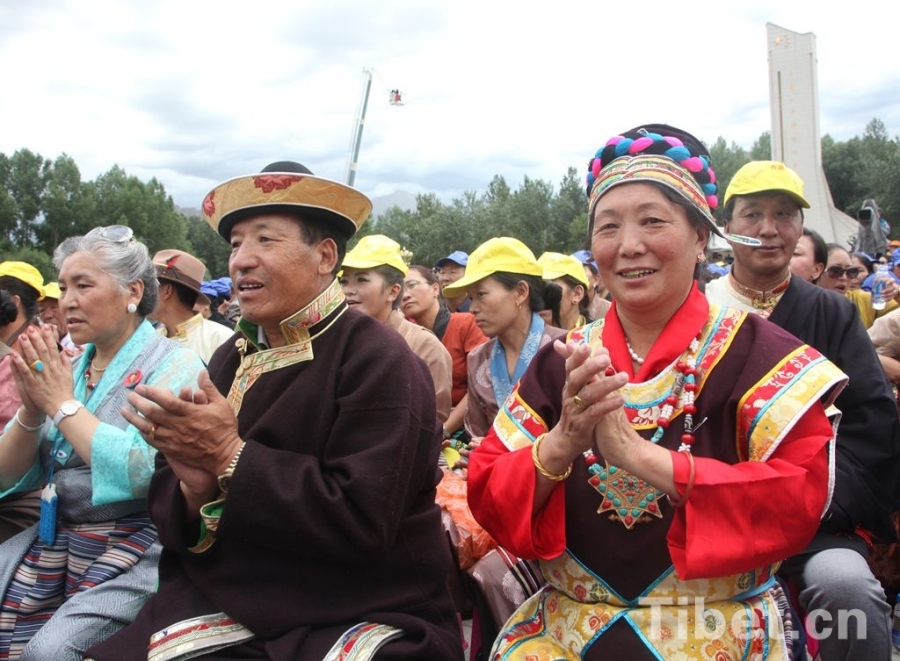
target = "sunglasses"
x: 838, y: 271
x: 114, y: 233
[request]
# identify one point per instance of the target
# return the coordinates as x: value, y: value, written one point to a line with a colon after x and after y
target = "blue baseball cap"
x: 457, y: 257
x: 585, y: 257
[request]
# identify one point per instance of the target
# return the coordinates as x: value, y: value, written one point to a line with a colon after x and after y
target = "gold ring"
x: 152, y: 433
x: 580, y: 403
x: 37, y: 366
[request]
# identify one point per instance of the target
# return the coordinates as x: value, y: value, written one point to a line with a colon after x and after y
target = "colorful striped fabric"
x: 82, y: 557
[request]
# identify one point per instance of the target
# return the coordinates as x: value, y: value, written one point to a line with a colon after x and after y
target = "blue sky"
x: 196, y: 92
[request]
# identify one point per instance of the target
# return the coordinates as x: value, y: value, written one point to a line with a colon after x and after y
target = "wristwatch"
x: 225, y: 478
x: 67, y: 408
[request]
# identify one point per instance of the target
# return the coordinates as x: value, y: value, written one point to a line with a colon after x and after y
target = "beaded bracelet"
x: 28, y: 427
x: 682, y: 500
x: 535, y: 448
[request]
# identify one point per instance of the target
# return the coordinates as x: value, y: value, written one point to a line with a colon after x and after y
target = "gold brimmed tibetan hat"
x: 285, y: 187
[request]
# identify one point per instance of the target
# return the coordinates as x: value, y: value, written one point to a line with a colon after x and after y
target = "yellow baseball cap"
x: 26, y: 273
x: 556, y: 265
x: 493, y: 256
x: 766, y: 176
x: 375, y: 250
x: 51, y: 290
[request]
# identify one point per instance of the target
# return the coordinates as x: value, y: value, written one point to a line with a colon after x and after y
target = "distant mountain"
x: 187, y: 212
x: 402, y: 199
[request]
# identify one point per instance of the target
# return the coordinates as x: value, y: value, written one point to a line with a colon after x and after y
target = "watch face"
x: 69, y: 408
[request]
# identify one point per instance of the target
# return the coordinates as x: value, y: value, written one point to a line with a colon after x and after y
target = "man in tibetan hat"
x: 295, y: 493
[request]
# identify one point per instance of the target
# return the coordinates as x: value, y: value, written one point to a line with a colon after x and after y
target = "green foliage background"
x: 42, y: 202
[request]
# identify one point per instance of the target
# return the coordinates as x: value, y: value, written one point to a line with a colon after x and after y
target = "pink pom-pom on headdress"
x: 596, y: 166
x: 675, y: 142
x: 616, y: 139
x: 640, y: 145
x: 693, y: 164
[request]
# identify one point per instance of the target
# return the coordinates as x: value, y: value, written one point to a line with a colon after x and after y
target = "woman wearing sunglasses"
x: 840, y: 272
x: 85, y: 569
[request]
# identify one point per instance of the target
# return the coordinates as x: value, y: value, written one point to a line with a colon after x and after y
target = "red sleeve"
x: 501, y: 492
x: 753, y: 513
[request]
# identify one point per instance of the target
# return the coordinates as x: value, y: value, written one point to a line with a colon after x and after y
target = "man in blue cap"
x: 450, y: 269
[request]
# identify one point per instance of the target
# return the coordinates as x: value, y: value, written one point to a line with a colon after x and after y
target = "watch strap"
x: 67, y: 408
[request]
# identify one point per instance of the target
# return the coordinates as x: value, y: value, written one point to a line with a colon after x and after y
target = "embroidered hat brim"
x: 285, y: 192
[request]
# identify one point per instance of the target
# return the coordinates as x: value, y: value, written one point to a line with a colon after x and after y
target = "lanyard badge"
x: 47, y: 525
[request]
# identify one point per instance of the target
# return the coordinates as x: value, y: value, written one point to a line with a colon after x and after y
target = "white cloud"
x: 193, y: 93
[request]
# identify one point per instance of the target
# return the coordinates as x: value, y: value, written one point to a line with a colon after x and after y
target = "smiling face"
x: 94, y: 305
x: 646, y: 249
x: 368, y: 291
x: 275, y: 272
x: 774, y: 219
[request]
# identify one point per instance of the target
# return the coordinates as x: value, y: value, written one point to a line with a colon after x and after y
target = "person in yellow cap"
x: 372, y: 280
x: 52, y: 315
x: 765, y: 201
x: 568, y: 274
x: 505, y: 284
x: 21, y: 289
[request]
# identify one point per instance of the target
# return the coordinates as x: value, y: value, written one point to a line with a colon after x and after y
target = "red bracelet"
x: 681, y: 501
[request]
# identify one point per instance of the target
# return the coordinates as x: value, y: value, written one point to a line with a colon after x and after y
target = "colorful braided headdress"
x: 661, y: 153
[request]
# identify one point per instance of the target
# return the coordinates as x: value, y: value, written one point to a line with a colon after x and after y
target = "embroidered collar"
x: 319, y: 316
x: 762, y: 301
x: 184, y: 329
x: 501, y: 382
x: 295, y: 328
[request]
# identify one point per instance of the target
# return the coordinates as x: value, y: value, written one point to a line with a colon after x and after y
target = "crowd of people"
x: 618, y: 453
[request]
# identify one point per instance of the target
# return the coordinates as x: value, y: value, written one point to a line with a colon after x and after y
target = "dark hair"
x: 8, y: 310
x: 427, y: 274
x: 583, y: 303
x: 186, y: 296
x: 535, y: 287
x: 820, y: 248
x: 552, y: 299
x: 313, y: 230
x: 392, y: 276
x: 865, y: 261
x: 27, y: 294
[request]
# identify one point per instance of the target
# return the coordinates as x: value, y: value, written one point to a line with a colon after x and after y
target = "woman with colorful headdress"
x: 662, y: 461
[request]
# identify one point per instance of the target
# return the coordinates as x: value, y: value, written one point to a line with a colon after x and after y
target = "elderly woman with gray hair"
x: 85, y: 569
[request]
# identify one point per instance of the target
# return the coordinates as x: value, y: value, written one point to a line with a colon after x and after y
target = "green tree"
x: 25, y: 182
x: 145, y: 207
x: 67, y: 206
x: 207, y: 246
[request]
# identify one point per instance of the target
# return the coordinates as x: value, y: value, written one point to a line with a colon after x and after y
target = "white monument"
x: 796, y: 140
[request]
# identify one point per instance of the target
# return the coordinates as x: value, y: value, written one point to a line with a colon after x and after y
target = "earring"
x: 132, y: 308
x: 701, y: 257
